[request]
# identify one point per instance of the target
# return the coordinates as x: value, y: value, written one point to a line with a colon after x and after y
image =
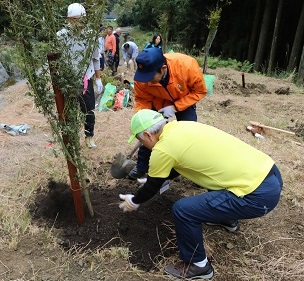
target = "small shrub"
x: 10, y: 61
x: 214, y: 62
x: 247, y: 66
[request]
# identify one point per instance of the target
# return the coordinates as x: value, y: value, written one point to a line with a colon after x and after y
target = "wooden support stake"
x: 257, y: 124
x: 243, y: 80
x: 75, y: 186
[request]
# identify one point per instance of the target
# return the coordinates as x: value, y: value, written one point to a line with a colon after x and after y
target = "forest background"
x: 268, y: 34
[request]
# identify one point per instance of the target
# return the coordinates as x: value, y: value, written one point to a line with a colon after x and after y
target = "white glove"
x: 127, y: 205
x: 168, y: 111
x: 99, y: 85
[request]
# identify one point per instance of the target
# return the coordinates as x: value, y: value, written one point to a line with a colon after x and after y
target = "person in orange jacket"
x: 171, y: 84
x: 110, y: 46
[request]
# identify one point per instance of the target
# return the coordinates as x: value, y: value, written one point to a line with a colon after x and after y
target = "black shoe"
x: 190, y: 271
x: 134, y: 174
x: 233, y: 227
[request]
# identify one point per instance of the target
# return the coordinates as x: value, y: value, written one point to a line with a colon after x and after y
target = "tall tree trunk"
x: 273, y: 49
x: 300, y: 77
x: 297, y: 44
x: 213, y: 23
x: 210, y: 38
x: 259, y: 56
x: 254, y: 31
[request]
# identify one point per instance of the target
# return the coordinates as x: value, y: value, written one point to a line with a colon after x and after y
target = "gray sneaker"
x: 90, y: 142
x: 190, y: 271
x: 233, y: 227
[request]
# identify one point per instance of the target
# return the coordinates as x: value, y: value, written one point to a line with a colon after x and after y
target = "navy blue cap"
x: 148, y: 62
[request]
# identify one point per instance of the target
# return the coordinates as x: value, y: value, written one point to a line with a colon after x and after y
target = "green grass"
x: 8, y: 59
x: 141, y: 38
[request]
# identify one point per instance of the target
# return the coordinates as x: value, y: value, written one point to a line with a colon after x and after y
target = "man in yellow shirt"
x: 243, y: 182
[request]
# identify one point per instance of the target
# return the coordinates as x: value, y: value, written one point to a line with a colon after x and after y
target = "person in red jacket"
x: 171, y: 84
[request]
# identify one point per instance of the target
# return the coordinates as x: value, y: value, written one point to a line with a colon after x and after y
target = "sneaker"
x: 90, y: 142
x: 233, y: 227
x: 134, y: 174
x: 190, y: 271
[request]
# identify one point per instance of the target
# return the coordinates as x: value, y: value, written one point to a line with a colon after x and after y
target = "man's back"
x: 74, y: 49
x: 132, y: 47
x: 186, y: 85
x: 209, y: 157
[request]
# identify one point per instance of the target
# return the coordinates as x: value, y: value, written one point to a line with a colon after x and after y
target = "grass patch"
x: 140, y: 37
x: 10, y: 61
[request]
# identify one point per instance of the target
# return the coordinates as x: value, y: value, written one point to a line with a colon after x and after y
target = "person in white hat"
x: 74, y: 40
x: 76, y: 10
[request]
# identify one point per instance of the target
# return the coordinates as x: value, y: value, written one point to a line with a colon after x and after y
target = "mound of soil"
x: 148, y: 232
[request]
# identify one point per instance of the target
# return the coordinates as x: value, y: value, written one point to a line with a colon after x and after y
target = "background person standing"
x: 117, y: 34
x: 101, y: 46
x: 110, y: 46
x: 75, y: 43
x: 156, y: 42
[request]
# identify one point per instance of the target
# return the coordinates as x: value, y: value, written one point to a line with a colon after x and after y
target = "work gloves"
x: 127, y: 205
x: 99, y: 85
x: 168, y: 111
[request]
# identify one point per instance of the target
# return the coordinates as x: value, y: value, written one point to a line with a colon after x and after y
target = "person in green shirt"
x: 243, y: 182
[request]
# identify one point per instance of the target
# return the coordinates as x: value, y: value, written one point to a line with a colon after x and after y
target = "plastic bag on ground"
x: 15, y: 130
x: 119, y: 100
x: 126, y: 97
x: 209, y: 81
x: 108, y: 97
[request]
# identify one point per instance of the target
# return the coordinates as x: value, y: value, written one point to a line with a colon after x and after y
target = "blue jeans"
x: 221, y: 207
x: 144, y: 153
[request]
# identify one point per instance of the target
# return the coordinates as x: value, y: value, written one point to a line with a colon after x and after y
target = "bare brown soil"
x: 34, y: 188
x: 146, y: 233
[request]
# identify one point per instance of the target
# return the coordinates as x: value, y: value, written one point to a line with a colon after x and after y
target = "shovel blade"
x: 121, y: 166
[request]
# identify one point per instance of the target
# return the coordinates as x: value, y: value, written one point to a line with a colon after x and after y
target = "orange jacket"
x: 110, y: 43
x: 186, y: 86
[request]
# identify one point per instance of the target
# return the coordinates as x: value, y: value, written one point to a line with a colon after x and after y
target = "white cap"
x: 76, y: 10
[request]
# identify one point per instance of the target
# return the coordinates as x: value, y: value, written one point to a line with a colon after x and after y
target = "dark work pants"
x: 144, y: 153
x: 102, y: 62
x: 87, y: 105
x: 117, y: 58
x: 220, y: 207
